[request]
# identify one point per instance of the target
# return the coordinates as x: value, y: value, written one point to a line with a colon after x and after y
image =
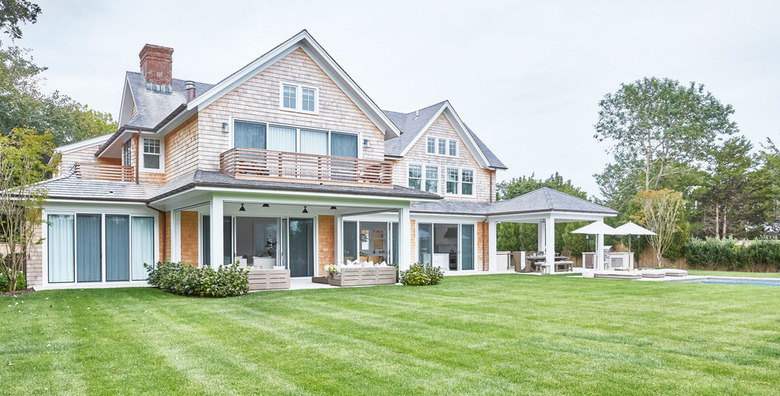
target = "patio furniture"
x: 364, y: 276
x: 564, y: 266
x: 269, y: 279
x: 588, y: 260
x: 675, y: 272
x: 616, y: 275
x: 263, y: 262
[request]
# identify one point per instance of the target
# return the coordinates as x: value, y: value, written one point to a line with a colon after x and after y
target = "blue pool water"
x: 732, y: 281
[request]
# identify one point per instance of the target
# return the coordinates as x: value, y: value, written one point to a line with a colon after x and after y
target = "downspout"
x: 163, y: 233
x: 492, y: 193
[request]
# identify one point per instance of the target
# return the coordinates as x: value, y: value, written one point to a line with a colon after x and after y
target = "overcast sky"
x: 525, y: 76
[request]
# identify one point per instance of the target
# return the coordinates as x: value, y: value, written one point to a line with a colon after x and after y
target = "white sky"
x: 526, y: 76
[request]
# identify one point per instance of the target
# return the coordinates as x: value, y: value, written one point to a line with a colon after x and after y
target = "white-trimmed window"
x: 127, y: 153
x: 432, y: 179
x: 460, y: 181
x: 299, y: 97
x: 442, y: 146
x: 424, y: 177
x: 152, y: 154
x: 415, y: 176
x: 431, y: 144
x: 261, y: 135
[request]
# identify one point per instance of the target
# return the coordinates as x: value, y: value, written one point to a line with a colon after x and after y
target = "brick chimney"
x: 156, y: 66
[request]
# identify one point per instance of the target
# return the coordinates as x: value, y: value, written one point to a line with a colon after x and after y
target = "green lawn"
x: 735, y: 273
x: 508, y: 334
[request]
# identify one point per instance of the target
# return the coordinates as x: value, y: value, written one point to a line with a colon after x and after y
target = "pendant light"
x: 242, y: 209
x: 305, y: 210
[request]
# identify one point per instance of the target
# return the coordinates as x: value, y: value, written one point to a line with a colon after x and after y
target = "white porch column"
x: 540, y: 234
x: 339, y: 240
x: 492, y: 255
x: 404, y: 239
x: 599, y: 252
x: 216, y: 234
x: 549, y: 245
x: 175, y: 236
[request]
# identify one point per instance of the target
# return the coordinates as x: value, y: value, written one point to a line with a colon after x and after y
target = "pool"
x: 731, y: 281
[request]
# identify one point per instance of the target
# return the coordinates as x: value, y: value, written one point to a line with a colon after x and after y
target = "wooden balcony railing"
x: 257, y: 164
x: 104, y: 172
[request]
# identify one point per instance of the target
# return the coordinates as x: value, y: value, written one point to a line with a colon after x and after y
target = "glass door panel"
x: 88, y: 249
x: 425, y: 244
x: 117, y: 248
x: 61, y: 255
x: 467, y: 247
x: 350, y: 241
x: 301, y: 247
x: 142, y: 246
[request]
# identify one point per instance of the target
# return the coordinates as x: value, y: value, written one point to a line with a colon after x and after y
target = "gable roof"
x: 546, y: 199
x: 413, y: 125
x: 314, y: 50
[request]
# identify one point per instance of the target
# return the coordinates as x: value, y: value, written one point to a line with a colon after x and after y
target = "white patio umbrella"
x: 631, y: 228
x: 596, y: 227
x: 600, y: 229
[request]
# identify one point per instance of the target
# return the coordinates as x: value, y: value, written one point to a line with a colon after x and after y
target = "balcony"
x: 257, y: 164
x: 104, y: 172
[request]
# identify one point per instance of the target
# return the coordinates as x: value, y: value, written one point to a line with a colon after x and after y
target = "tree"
x: 15, y: 12
x: 658, y: 129
x: 727, y: 198
x: 21, y: 195
x: 661, y: 212
x: 767, y: 182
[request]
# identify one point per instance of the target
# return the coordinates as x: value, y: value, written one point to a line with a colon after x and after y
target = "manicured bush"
x: 186, y: 280
x: 421, y: 275
x: 21, y: 282
x: 728, y: 255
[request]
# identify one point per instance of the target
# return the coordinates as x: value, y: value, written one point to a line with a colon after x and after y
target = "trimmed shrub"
x: 727, y: 255
x: 187, y: 280
x: 21, y: 282
x: 420, y: 275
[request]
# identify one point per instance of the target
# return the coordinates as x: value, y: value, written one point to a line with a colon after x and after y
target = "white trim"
x: 460, y: 129
x: 459, y: 186
x: 141, y: 143
x: 69, y: 148
x: 424, y: 177
x: 306, y: 42
x: 299, y: 87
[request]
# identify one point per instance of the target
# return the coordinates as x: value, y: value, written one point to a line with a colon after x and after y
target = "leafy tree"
x: 21, y: 197
x: 15, y: 12
x: 658, y: 129
x: 727, y: 198
x: 661, y: 212
x: 767, y: 182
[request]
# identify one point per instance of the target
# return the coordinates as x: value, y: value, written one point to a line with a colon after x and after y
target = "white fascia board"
x: 125, y: 90
x: 304, y: 41
x: 83, y: 144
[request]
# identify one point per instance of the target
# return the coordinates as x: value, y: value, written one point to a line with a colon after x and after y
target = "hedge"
x: 728, y: 255
x: 186, y: 280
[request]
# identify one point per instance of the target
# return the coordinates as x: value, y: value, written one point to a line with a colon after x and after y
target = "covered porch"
x: 292, y: 230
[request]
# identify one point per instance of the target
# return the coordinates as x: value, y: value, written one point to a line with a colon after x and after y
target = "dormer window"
x: 299, y: 98
x: 441, y: 146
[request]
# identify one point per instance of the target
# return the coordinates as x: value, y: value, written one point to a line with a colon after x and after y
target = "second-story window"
x: 152, y: 154
x: 299, y: 97
x: 432, y: 179
x: 257, y: 135
x: 127, y: 153
x: 415, y: 176
x: 460, y: 181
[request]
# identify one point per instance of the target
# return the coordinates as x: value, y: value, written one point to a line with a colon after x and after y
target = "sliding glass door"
x: 61, y: 253
x: 142, y: 246
x: 227, y: 240
x: 117, y: 248
x: 88, y: 247
x: 301, y: 242
x: 425, y: 244
x: 467, y: 247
